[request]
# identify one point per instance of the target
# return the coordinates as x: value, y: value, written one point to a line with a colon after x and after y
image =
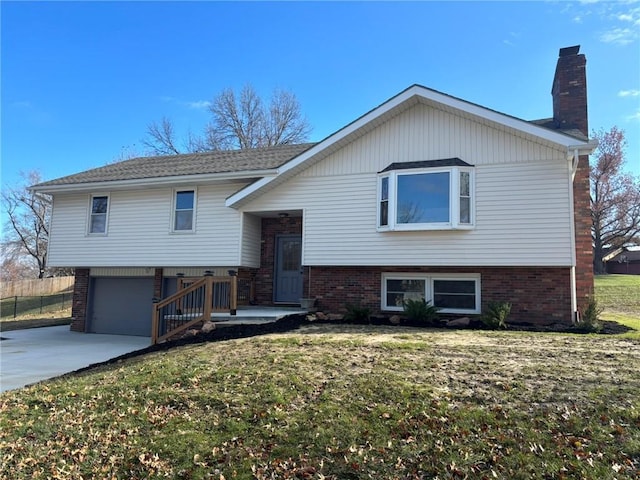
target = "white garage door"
x: 121, y: 306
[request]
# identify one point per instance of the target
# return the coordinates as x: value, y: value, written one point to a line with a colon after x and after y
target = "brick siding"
x: 80, y: 300
x: 539, y: 295
x: 158, y: 280
x: 271, y: 228
x: 569, y: 92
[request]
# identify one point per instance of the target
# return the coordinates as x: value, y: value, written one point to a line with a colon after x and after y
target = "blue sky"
x: 82, y: 80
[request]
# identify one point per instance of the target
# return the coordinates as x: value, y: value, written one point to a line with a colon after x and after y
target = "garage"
x: 120, y: 306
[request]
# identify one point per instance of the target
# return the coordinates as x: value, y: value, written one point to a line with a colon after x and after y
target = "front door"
x: 288, y: 271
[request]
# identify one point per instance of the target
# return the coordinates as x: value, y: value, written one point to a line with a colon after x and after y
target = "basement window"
x: 452, y: 293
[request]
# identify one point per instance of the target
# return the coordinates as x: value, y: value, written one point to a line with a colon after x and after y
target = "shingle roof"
x: 219, y: 161
x: 551, y: 125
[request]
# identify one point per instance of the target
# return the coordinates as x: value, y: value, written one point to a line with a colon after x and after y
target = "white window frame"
x: 90, y: 215
x: 429, y: 279
x: 174, y: 205
x: 454, y: 200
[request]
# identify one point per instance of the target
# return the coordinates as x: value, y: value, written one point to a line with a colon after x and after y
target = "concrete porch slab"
x: 255, y: 315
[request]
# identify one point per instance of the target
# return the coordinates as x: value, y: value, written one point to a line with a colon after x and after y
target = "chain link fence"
x: 15, y: 307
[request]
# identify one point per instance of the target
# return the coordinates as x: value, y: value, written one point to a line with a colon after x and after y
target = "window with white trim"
x: 184, y: 210
x: 98, y: 215
x: 452, y: 293
x: 430, y: 195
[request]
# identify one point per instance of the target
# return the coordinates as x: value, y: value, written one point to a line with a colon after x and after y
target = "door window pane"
x: 291, y: 255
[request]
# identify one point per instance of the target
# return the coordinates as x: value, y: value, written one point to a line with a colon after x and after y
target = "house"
x: 624, y: 260
x: 425, y: 196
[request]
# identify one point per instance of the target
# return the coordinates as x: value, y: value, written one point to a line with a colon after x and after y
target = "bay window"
x: 431, y: 195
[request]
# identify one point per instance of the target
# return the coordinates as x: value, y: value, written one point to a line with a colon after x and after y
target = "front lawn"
x: 340, y: 402
x: 619, y: 293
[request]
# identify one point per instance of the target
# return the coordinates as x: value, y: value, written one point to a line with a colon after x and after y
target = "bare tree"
x: 14, y: 264
x: 615, y: 196
x: 161, y: 138
x: 27, y: 229
x: 237, y: 121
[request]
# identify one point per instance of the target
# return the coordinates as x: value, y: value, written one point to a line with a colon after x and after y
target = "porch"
x: 252, y: 315
x: 209, y: 298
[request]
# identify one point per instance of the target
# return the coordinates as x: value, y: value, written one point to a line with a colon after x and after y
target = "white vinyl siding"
x: 424, y: 133
x: 251, y: 232
x: 522, y: 218
x: 140, y: 231
x: 521, y: 198
x: 123, y: 272
x: 522, y: 207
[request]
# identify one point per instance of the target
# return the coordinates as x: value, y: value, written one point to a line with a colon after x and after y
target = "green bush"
x: 357, y: 314
x: 590, y: 321
x: 495, y: 316
x: 420, y: 311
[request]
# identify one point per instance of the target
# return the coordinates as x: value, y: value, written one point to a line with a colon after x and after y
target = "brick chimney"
x: 569, y: 94
x: 569, y: 91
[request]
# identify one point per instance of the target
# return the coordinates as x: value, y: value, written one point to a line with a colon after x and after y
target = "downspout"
x: 573, y: 167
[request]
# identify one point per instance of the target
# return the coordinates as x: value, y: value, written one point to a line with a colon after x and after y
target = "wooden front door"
x: 288, y: 269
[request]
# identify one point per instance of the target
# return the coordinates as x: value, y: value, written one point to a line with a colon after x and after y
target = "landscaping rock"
x: 208, y: 327
x: 311, y: 317
x: 459, y: 322
x: 395, y: 320
x: 335, y: 317
x: 321, y: 316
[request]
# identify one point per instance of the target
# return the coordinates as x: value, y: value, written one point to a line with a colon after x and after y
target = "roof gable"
x: 271, y: 166
x: 416, y: 94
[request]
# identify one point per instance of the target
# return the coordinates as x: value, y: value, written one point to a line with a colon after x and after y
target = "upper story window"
x: 184, y: 211
x: 98, y: 215
x: 430, y: 195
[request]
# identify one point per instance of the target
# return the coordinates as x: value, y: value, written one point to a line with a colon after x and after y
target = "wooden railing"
x: 194, y: 302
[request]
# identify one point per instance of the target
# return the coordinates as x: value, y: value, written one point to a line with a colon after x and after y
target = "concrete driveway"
x: 35, y: 354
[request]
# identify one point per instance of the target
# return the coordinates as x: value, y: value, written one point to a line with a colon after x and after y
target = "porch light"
x: 208, y: 273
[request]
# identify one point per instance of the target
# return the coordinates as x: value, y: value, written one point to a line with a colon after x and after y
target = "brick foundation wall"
x: 271, y: 228
x: 539, y: 295
x: 80, y: 300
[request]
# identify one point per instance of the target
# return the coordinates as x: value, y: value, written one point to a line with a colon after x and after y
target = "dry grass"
x: 340, y: 402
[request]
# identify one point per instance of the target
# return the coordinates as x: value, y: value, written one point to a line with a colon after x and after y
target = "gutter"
x: 573, y: 159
